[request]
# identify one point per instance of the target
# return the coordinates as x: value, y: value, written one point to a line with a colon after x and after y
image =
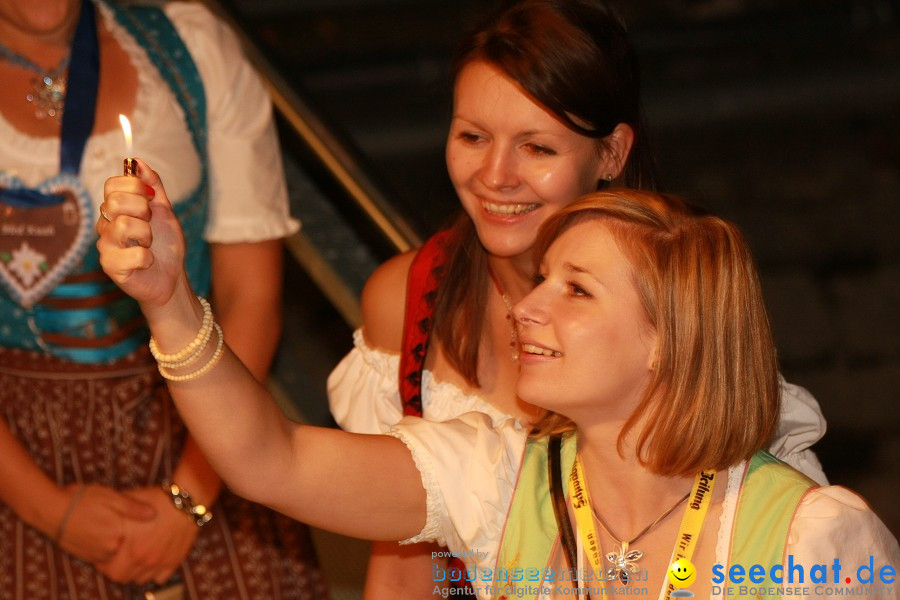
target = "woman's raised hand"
x: 140, y: 242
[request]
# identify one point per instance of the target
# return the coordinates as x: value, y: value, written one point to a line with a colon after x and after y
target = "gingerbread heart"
x: 44, y: 234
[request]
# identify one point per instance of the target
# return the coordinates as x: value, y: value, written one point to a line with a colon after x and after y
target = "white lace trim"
x: 434, y: 501
x: 441, y: 400
x: 382, y: 363
x: 148, y: 78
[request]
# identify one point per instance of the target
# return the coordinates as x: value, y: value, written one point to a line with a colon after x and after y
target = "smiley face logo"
x: 682, y: 573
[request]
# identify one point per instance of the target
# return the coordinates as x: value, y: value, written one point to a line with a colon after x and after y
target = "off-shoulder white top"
x: 363, y: 392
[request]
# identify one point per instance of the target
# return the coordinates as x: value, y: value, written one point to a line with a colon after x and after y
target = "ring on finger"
x: 104, y: 215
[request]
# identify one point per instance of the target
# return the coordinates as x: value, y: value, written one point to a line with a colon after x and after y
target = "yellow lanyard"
x: 692, y: 521
x: 691, y: 524
x: 584, y: 521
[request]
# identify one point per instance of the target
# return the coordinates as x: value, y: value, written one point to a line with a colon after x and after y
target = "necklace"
x: 624, y: 562
x: 48, y: 89
x: 510, y: 317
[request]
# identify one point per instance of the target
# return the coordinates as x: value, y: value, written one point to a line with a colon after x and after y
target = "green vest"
x: 769, y: 495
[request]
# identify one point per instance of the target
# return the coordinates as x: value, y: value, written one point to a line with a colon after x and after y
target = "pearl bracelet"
x: 193, y: 357
x: 192, y: 350
x: 182, y: 500
x: 220, y: 346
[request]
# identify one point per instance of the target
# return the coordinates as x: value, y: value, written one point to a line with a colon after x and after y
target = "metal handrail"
x: 339, y: 163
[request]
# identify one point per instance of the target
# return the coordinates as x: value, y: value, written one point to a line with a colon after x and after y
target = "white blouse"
x: 364, y: 396
x: 364, y: 393
x: 248, y: 195
x: 830, y: 522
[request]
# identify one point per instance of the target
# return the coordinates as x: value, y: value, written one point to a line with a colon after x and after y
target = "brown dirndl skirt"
x: 115, y: 425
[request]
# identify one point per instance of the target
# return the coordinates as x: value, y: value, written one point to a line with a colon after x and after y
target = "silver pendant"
x: 49, y: 96
x: 624, y: 563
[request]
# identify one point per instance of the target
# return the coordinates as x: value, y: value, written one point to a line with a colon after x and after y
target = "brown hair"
x: 713, y: 399
x: 574, y: 58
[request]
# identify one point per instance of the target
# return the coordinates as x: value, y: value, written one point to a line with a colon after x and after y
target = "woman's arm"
x: 395, y: 572
x: 250, y: 316
x: 365, y: 486
x: 251, y: 319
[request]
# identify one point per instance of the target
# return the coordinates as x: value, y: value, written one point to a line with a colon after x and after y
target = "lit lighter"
x: 129, y: 165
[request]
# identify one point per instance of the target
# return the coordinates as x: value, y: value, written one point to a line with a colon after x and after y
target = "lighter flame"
x: 126, y: 129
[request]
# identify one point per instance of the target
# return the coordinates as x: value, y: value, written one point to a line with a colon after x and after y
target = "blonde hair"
x: 713, y: 399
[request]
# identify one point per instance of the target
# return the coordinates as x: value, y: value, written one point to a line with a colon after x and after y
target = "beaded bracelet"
x: 182, y: 500
x: 193, y: 357
x: 194, y: 348
x: 220, y: 346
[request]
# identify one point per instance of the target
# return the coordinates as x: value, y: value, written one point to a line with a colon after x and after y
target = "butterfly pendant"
x: 624, y: 563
